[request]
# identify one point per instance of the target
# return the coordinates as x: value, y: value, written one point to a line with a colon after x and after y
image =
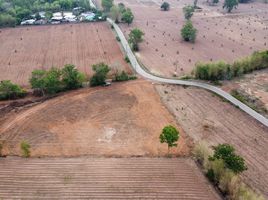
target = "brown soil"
x: 24, y: 49
x: 219, y: 35
x: 125, y: 119
x: 206, y: 117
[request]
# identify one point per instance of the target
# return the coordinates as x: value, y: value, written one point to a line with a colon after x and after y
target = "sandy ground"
x: 24, y: 49
x: 220, y: 36
x: 122, y: 120
x: 205, y: 116
x: 254, y: 84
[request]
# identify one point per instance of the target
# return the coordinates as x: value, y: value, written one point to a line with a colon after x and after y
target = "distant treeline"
x: 224, y: 71
x: 15, y: 11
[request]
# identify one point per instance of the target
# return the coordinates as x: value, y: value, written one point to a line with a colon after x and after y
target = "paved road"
x: 214, y: 89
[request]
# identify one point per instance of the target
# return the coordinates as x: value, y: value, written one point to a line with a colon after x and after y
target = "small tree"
x: 169, y: 135
x: 127, y: 16
x: 101, y: 71
x: 25, y: 148
x: 71, y: 77
x: 107, y: 5
x: 37, y: 80
x: 232, y: 161
x: 9, y: 90
x: 165, y: 6
x: 188, y: 32
x: 135, y: 37
x: 115, y: 13
x: 230, y: 4
x: 53, y: 82
x: 188, y: 12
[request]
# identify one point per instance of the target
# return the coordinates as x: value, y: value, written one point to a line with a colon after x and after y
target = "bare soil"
x: 205, y: 116
x: 24, y: 49
x: 124, y: 119
x: 220, y: 36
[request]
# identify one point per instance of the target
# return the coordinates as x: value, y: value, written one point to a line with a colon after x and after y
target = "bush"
x: 127, y: 59
x: 123, y: 76
x: 7, y: 20
x: 188, y: 32
x: 188, y: 11
x: 25, y: 147
x: 101, y: 71
x: 72, y: 78
x: 9, y: 90
x: 135, y: 37
x: 201, y: 153
x: 118, y: 38
x: 165, y: 6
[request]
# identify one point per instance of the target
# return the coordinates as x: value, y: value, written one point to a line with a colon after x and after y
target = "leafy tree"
x: 122, y: 7
x: 53, y: 81
x: 135, y: 37
x: 165, y: 6
x: 37, y: 80
x: 127, y: 16
x: 188, y: 32
x: 25, y: 147
x: 169, y: 135
x: 107, y: 5
x: 7, y: 20
x: 71, y: 77
x: 101, y: 71
x: 9, y: 90
x: 232, y: 161
x: 230, y: 4
x: 188, y: 12
x: 115, y: 13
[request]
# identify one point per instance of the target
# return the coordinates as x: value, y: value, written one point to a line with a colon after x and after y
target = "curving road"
x: 211, y: 88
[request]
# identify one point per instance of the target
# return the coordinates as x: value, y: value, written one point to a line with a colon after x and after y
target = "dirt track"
x: 220, y: 36
x: 122, y: 120
x: 206, y: 117
x: 24, y: 49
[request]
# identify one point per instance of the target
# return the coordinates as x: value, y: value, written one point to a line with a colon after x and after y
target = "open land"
x: 24, y: 49
x: 205, y: 116
x: 220, y: 36
x: 122, y: 120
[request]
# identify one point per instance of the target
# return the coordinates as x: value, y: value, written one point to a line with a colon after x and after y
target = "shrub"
x: 201, y: 153
x: 135, y: 37
x: 188, y: 32
x: 9, y: 90
x: 165, y: 6
x: 101, y: 71
x: 7, y: 20
x: 188, y: 11
x: 169, y: 135
x: 127, y: 59
x: 25, y: 147
x: 71, y: 77
x: 118, y: 38
x: 127, y: 16
x: 123, y: 76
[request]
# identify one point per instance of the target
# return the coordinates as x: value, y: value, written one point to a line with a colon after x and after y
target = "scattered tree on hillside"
x: 230, y: 5
x: 25, y: 148
x: 9, y: 90
x: 71, y: 77
x: 135, y: 37
x: 188, y: 32
x: 127, y: 16
x: 101, y: 71
x: 107, y: 5
x: 165, y: 6
x: 169, y: 135
x: 234, y: 162
x: 188, y: 12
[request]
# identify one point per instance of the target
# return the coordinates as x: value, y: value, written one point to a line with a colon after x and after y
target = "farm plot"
x: 27, y: 48
x: 204, y: 116
x: 220, y: 36
x: 122, y: 120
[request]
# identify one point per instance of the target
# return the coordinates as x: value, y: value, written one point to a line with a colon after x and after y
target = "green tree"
x: 230, y: 5
x: 25, y: 148
x: 234, y: 162
x: 165, y: 6
x: 9, y: 90
x: 7, y: 20
x: 169, y: 135
x: 71, y: 77
x: 53, y: 81
x: 107, y: 5
x: 135, y: 37
x: 128, y: 16
x: 101, y: 72
x: 37, y: 80
x: 115, y: 13
x: 188, y: 12
x: 188, y: 32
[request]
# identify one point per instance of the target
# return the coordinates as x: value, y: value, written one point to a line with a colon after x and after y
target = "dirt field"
x: 220, y: 36
x: 27, y: 48
x: 204, y: 116
x: 122, y: 120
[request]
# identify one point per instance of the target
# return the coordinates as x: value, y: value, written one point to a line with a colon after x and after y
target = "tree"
x: 188, y: 32
x: 101, y: 71
x: 135, y: 37
x: 37, y: 80
x: 165, y: 6
x: 25, y: 147
x: 188, y: 12
x: 230, y: 4
x: 106, y: 4
x: 53, y: 81
x: 115, y: 13
x: 232, y: 161
x: 37, y: 16
x: 9, y: 90
x: 169, y: 135
x: 127, y: 16
x: 71, y: 77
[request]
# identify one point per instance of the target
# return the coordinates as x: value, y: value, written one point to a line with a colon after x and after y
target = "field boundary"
x: 136, y: 66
